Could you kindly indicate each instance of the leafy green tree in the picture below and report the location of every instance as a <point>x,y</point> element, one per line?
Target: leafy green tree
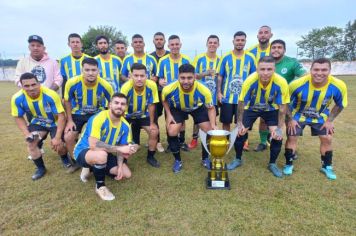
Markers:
<point>325,42</point>
<point>350,41</point>
<point>88,38</point>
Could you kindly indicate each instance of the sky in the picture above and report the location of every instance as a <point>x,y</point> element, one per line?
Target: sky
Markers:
<point>192,20</point>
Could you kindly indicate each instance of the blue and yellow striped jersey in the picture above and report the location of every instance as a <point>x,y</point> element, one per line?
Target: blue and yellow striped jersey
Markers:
<point>44,109</point>
<point>87,100</point>
<point>259,98</point>
<point>138,103</point>
<point>147,60</point>
<point>232,69</point>
<point>101,127</point>
<point>310,104</point>
<point>110,70</point>
<point>71,67</point>
<point>180,100</point>
<point>203,63</point>
<point>168,67</point>
<point>258,52</point>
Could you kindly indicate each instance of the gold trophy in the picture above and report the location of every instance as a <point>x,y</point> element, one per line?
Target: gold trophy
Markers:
<point>218,143</point>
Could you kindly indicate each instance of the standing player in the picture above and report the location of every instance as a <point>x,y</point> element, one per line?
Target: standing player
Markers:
<point>71,65</point>
<point>39,64</point>
<point>159,42</point>
<point>109,65</point>
<point>139,56</point>
<point>264,94</point>
<point>84,96</point>
<point>120,48</point>
<point>233,69</point>
<point>105,144</point>
<point>168,73</point>
<point>260,50</point>
<point>48,116</point>
<point>311,97</point>
<point>142,97</point>
<point>206,65</point>
<point>180,98</point>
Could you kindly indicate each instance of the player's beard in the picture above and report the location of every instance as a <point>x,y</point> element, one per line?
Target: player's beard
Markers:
<point>117,113</point>
<point>104,51</point>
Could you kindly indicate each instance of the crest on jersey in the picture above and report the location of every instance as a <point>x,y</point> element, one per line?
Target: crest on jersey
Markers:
<point>284,70</point>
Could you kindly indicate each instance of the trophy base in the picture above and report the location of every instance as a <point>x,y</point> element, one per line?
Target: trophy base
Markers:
<point>218,183</point>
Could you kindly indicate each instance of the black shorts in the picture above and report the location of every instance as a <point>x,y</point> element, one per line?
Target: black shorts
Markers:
<point>228,111</point>
<point>314,128</point>
<point>270,117</point>
<point>136,125</point>
<point>110,163</point>
<point>51,130</point>
<point>80,121</point>
<point>199,115</point>
<point>159,107</point>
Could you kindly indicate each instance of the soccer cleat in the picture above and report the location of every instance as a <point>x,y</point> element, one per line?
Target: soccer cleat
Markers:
<point>193,144</point>
<point>288,169</point>
<point>177,166</point>
<point>275,170</point>
<point>206,163</point>
<point>104,193</point>
<point>153,162</point>
<point>39,173</point>
<point>329,172</point>
<point>245,147</point>
<point>234,164</point>
<point>42,151</point>
<point>73,168</point>
<point>295,157</point>
<point>84,175</point>
<point>260,147</point>
<point>159,147</point>
<point>184,147</point>
<point>66,162</point>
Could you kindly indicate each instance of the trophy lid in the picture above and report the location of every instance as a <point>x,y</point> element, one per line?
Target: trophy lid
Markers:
<point>218,132</point>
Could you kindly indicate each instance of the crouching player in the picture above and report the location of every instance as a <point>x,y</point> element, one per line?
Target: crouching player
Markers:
<point>45,107</point>
<point>105,144</point>
<point>311,97</point>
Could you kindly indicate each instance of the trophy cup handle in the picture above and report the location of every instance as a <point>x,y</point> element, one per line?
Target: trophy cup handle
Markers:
<point>202,136</point>
<point>233,136</point>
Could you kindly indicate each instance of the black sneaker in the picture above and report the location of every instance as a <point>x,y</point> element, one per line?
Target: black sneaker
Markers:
<point>66,162</point>
<point>39,173</point>
<point>153,162</point>
<point>184,147</point>
<point>260,147</point>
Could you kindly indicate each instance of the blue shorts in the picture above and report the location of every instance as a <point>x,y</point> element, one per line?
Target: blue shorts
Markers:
<point>314,128</point>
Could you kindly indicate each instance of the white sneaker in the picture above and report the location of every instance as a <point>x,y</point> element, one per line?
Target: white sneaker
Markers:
<point>42,151</point>
<point>104,193</point>
<point>159,147</point>
<point>29,157</point>
<point>84,175</point>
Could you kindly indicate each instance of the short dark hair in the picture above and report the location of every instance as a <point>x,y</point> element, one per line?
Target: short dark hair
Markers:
<point>186,68</point>
<point>279,41</point>
<point>74,35</point>
<point>173,36</point>
<point>138,66</point>
<point>90,61</point>
<point>26,76</point>
<point>240,33</point>
<point>118,95</point>
<point>213,36</point>
<point>101,37</point>
<point>158,34</point>
<point>267,59</point>
<point>266,27</point>
<point>137,36</point>
<point>321,60</point>
<point>119,41</point>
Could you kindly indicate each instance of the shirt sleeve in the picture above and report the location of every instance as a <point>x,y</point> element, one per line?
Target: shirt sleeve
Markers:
<point>58,79</point>
<point>16,108</point>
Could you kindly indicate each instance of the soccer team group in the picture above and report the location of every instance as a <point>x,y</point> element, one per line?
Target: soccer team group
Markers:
<point>110,98</point>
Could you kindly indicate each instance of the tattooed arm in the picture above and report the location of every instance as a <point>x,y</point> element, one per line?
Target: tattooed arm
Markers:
<point>328,124</point>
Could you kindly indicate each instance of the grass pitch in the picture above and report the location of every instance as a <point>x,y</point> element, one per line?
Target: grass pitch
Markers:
<point>158,202</point>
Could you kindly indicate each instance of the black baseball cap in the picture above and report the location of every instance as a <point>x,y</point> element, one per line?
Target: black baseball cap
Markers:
<point>35,38</point>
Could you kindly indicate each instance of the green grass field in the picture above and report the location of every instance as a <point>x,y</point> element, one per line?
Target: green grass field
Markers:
<point>158,202</point>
